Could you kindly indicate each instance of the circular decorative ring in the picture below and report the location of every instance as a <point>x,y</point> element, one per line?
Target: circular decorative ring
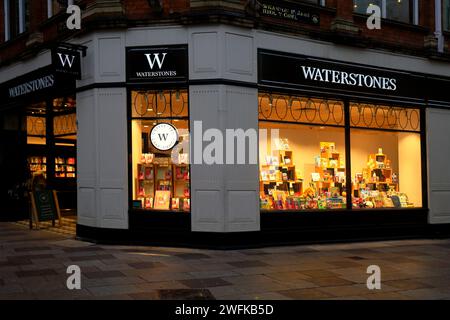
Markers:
<point>142,101</point>
<point>279,107</point>
<point>370,108</point>
<point>296,108</point>
<point>311,109</point>
<point>355,109</point>
<point>40,126</point>
<point>338,109</point>
<point>403,119</point>
<point>392,117</point>
<point>382,116</point>
<point>177,100</point>
<point>160,107</point>
<point>324,107</point>
<point>414,119</point>
<point>268,112</point>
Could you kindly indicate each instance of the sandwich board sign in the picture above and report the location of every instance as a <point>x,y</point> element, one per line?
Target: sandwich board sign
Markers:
<point>45,207</point>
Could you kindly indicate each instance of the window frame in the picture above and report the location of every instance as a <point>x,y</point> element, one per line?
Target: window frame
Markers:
<point>414,14</point>
<point>347,101</point>
<point>50,12</point>
<point>22,17</point>
<point>130,119</point>
<point>446,15</point>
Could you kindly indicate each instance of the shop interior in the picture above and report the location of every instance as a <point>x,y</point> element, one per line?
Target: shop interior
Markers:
<point>51,149</point>
<point>160,179</point>
<point>303,164</point>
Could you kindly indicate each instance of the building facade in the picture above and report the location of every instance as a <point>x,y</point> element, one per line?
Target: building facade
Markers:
<point>351,123</point>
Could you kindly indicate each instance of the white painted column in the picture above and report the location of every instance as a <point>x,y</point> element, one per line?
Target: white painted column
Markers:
<point>102,158</point>
<point>102,142</point>
<point>438,145</point>
<point>225,198</point>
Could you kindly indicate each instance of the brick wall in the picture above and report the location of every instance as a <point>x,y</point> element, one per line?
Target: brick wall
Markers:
<point>393,36</point>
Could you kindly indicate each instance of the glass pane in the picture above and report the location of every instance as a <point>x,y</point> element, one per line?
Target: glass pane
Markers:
<point>386,169</point>
<point>161,180</point>
<point>399,10</point>
<point>360,6</point>
<point>65,124</point>
<point>160,104</point>
<point>301,167</point>
<point>384,117</point>
<point>300,109</point>
<point>446,13</point>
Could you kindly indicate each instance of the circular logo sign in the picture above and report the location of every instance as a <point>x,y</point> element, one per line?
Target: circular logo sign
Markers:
<point>164,136</point>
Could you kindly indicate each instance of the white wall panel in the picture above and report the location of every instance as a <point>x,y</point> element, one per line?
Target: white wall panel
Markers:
<point>102,155</point>
<point>86,158</point>
<point>207,181</point>
<point>242,181</point>
<point>204,55</point>
<point>240,57</point>
<point>111,58</point>
<point>438,143</point>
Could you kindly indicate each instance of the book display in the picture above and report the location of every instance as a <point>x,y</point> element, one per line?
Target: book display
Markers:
<point>378,185</point>
<point>65,167</point>
<point>162,185</point>
<point>283,187</point>
<point>38,165</point>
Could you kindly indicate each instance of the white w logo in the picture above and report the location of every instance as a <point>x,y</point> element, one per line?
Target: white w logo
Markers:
<point>163,136</point>
<point>66,59</point>
<point>155,59</point>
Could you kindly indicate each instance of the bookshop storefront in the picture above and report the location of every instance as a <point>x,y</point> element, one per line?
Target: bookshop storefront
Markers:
<point>345,145</point>
<point>344,150</point>
<point>39,131</point>
<point>159,183</point>
<point>341,147</point>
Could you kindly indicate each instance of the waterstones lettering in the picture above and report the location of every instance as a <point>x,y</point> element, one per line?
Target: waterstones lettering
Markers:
<point>157,64</point>
<point>156,60</point>
<point>347,78</point>
<point>32,86</point>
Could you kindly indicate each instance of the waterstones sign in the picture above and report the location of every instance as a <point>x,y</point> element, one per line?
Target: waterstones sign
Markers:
<point>157,64</point>
<point>348,78</point>
<point>31,86</point>
<point>67,62</point>
<point>302,72</point>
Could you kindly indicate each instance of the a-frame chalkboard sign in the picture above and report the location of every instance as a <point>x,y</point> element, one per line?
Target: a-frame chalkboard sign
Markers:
<point>44,207</point>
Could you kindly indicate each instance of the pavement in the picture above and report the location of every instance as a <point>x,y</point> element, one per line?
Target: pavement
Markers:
<point>33,265</point>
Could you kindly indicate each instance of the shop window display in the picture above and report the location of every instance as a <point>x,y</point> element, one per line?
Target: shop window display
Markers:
<point>302,164</point>
<point>303,155</point>
<point>386,165</point>
<point>161,179</point>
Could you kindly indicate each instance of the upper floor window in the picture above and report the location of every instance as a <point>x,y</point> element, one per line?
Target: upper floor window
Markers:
<point>319,2</point>
<point>55,6</point>
<point>398,10</point>
<point>17,17</point>
<point>446,13</point>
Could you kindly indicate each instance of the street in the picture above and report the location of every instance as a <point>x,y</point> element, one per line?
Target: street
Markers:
<point>33,265</point>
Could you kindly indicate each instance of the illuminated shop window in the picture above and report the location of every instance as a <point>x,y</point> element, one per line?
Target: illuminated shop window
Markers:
<point>302,154</point>
<point>160,179</point>
<point>386,161</point>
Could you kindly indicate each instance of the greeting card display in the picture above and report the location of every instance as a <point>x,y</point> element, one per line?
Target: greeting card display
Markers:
<point>162,200</point>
